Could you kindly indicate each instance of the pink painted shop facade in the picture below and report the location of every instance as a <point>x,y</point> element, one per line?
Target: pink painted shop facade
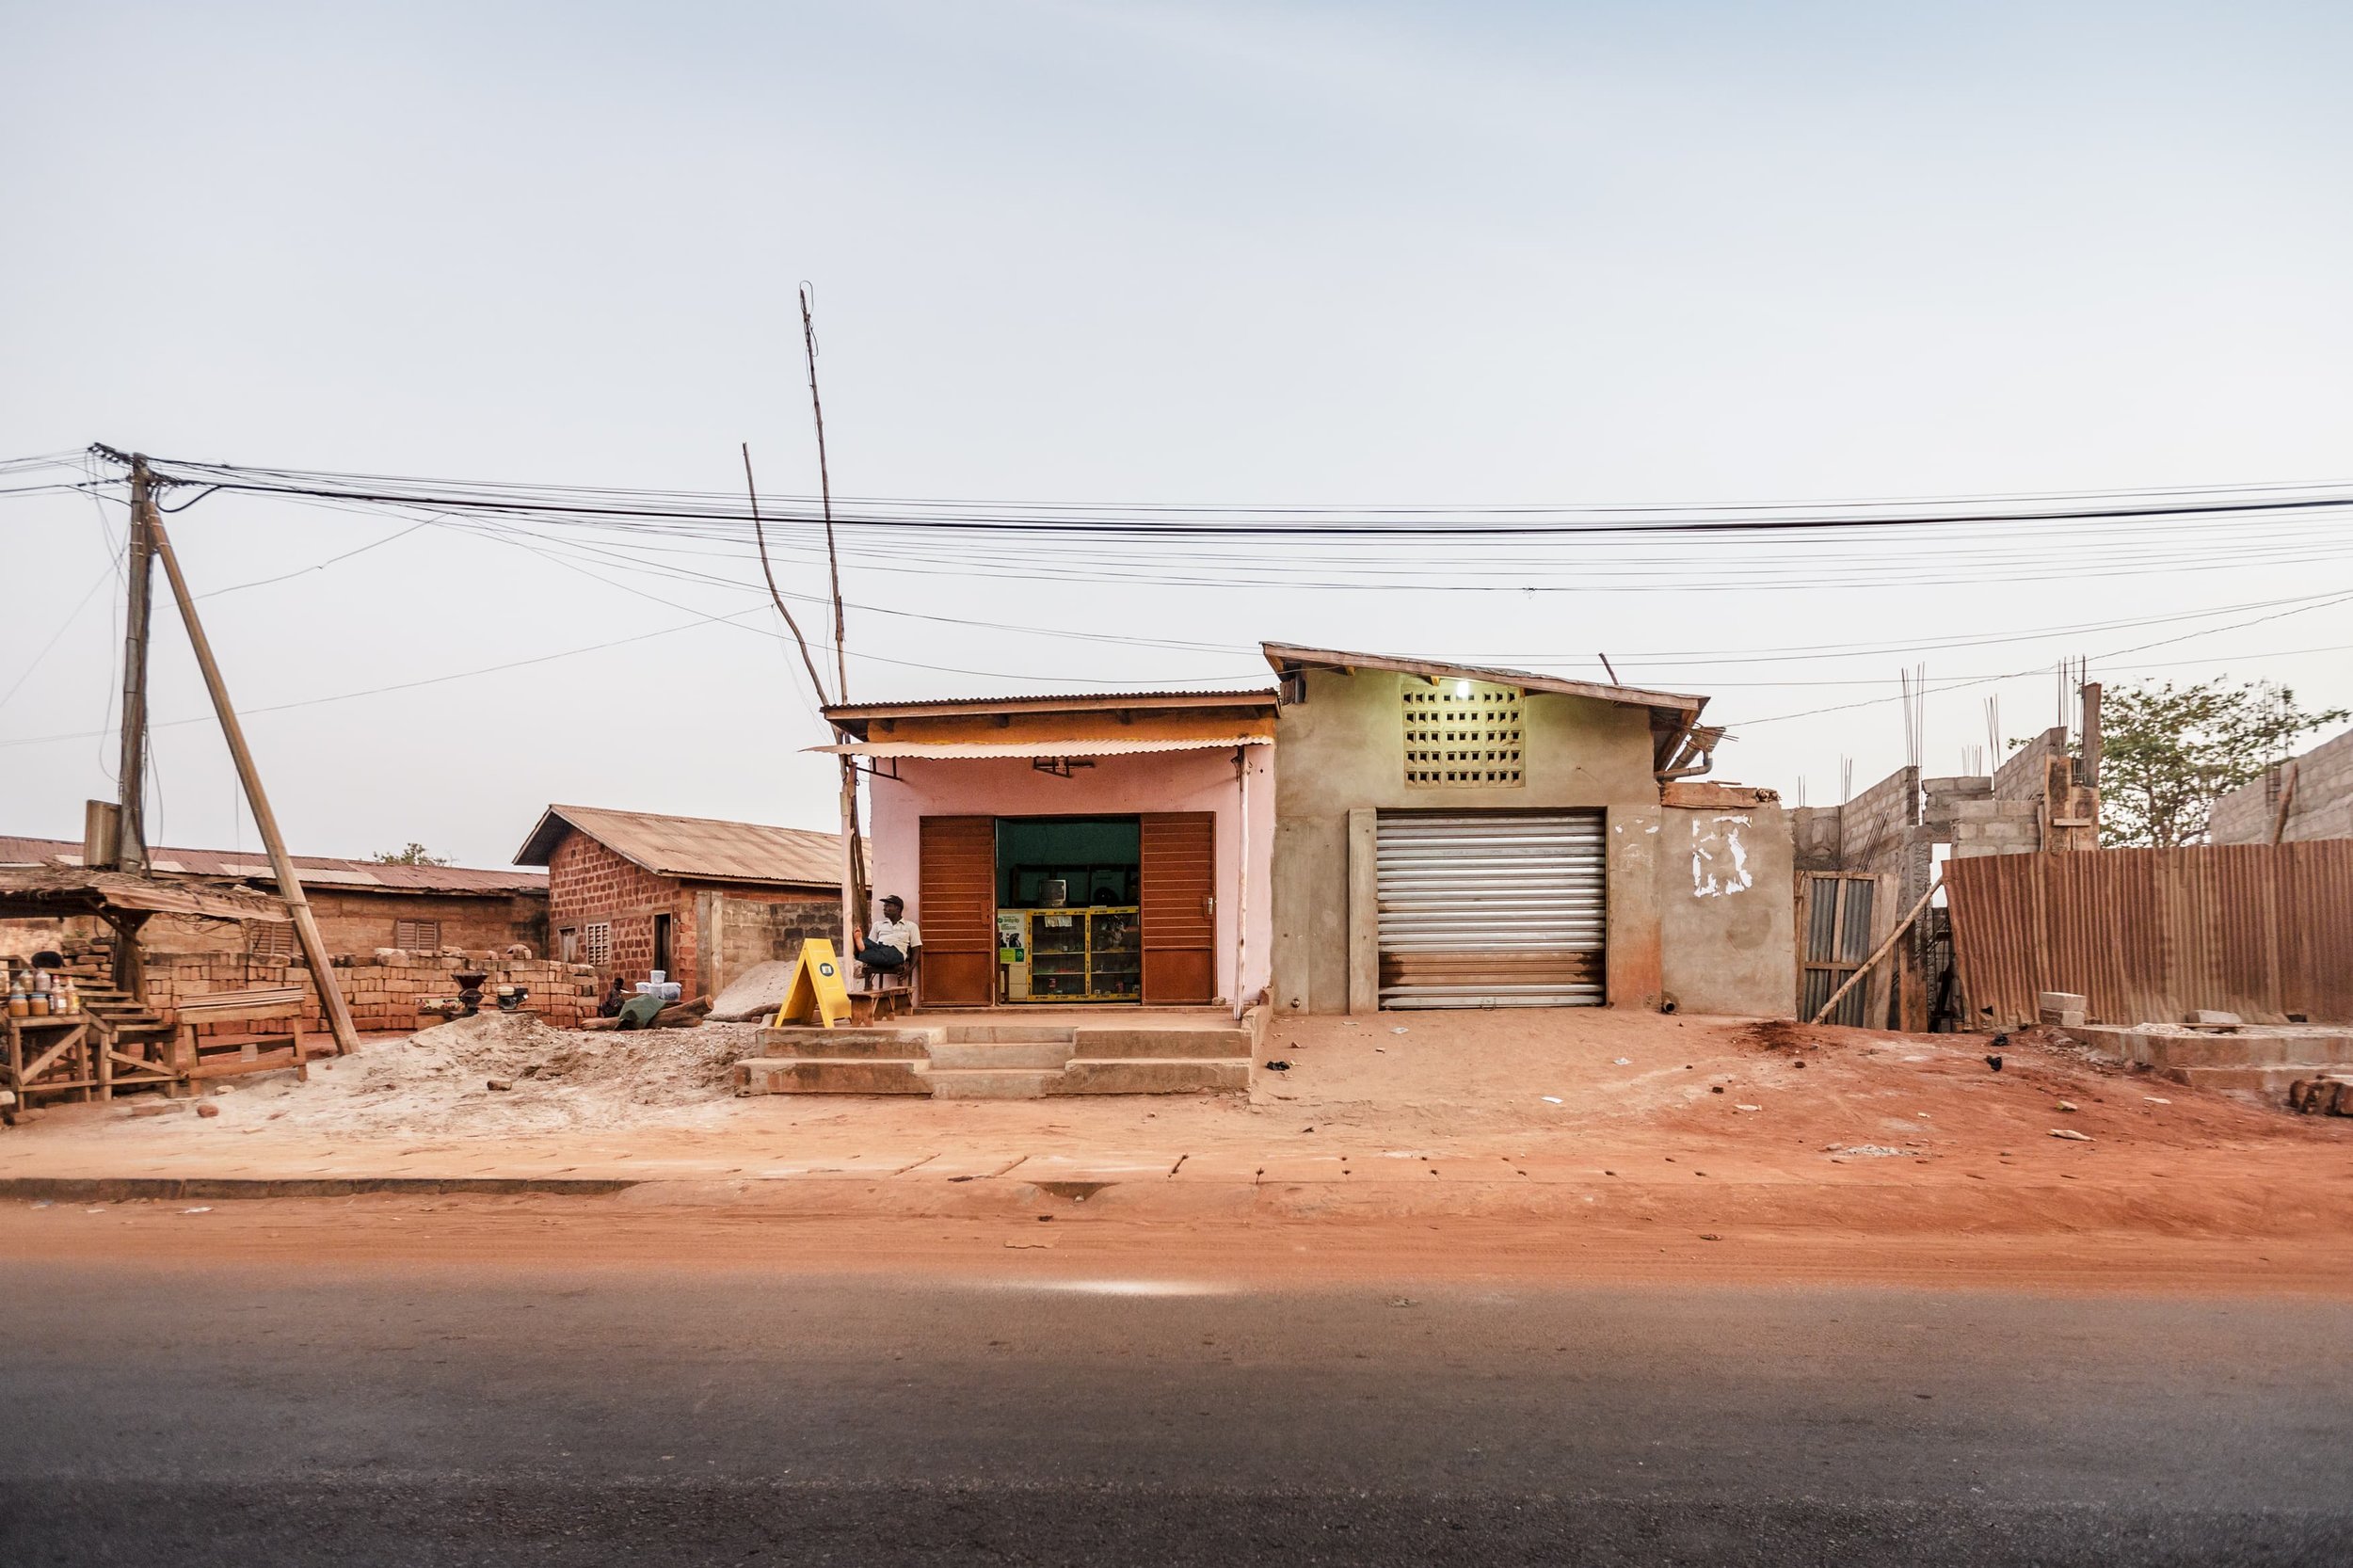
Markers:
<point>1104,850</point>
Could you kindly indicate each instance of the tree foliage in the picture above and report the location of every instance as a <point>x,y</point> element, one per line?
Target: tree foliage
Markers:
<point>414,854</point>
<point>2168,753</point>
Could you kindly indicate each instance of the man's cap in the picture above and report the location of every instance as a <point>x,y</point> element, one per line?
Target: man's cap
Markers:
<point>893,898</point>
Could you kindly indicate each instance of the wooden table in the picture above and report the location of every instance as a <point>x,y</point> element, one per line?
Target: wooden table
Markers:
<point>36,1045</point>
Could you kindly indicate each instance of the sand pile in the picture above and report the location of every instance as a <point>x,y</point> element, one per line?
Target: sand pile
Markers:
<point>437,1080</point>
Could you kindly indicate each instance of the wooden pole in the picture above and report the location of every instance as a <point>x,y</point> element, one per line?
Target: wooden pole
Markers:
<point>825,492</point>
<point>852,850</point>
<point>1884,949</point>
<point>289,884</point>
<point>131,825</point>
<point>2287,803</point>
<point>2091,733</point>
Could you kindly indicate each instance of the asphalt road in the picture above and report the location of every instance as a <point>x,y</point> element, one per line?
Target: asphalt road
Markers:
<point>247,1415</point>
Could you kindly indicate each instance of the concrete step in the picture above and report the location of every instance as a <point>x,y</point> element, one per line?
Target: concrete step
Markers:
<point>2271,1080</point>
<point>1128,1043</point>
<point>973,1034</point>
<point>2246,1050</point>
<point>992,1083</point>
<point>957,1055</point>
<point>772,1075</point>
<point>809,1042</point>
<point>1156,1075</point>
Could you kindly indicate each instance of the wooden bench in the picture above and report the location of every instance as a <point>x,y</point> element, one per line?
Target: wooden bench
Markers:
<point>211,1055</point>
<point>881,994</point>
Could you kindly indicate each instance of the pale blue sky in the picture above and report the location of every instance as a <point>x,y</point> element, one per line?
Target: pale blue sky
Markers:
<point>1151,252</point>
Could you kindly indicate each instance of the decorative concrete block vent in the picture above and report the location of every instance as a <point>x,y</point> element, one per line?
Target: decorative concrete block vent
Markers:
<point>1002,1061</point>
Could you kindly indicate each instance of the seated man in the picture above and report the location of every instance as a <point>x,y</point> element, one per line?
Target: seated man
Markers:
<point>614,995</point>
<point>892,942</point>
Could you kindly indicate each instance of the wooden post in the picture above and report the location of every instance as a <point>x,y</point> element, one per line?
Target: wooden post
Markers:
<point>131,826</point>
<point>2091,734</point>
<point>289,884</point>
<point>2287,803</point>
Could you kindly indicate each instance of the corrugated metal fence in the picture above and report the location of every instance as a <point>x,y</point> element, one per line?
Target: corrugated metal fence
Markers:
<point>2147,935</point>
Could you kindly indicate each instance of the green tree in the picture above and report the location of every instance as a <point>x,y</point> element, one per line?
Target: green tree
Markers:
<point>2168,753</point>
<point>415,855</point>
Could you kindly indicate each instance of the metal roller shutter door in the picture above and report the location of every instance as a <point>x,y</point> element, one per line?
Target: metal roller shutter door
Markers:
<point>1491,908</point>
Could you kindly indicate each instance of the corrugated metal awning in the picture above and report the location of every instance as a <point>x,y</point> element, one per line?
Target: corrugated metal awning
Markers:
<point>975,749</point>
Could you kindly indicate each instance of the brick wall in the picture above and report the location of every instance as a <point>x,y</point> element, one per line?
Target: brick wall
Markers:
<point>2322,807</point>
<point>588,883</point>
<point>716,931</point>
<point>362,922</point>
<point>381,992</point>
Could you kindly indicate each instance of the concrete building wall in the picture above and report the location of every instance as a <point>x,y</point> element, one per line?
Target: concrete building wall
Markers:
<point>1205,780</point>
<point>1727,903</point>
<point>2321,807</point>
<point>1343,749</point>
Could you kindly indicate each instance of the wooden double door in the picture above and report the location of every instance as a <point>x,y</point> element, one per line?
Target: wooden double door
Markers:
<point>1177,895</point>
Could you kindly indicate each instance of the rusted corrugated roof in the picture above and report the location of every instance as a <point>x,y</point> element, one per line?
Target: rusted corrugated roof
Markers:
<point>1065,747</point>
<point>316,869</point>
<point>1250,697</point>
<point>704,848</point>
<point>44,892</point>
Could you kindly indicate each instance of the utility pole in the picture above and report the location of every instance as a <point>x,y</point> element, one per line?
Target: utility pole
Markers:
<point>825,492</point>
<point>289,884</point>
<point>852,853</point>
<point>131,814</point>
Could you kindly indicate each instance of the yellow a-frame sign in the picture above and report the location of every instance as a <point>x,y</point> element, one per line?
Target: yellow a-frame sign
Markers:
<point>819,993</point>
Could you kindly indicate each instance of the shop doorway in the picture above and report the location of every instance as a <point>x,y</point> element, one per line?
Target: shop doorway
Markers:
<point>1044,911</point>
<point>1070,909</point>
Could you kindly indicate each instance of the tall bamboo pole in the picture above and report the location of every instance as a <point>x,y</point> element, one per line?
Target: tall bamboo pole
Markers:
<point>289,884</point>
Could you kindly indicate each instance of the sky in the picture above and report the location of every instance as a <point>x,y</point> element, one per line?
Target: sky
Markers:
<point>1280,255</point>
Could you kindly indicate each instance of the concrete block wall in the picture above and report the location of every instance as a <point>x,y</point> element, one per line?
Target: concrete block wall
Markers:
<point>1876,825</point>
<point>2322,807</point>
<point>1816,834</point>
<point>2022,774</point>
<point>737,930</point>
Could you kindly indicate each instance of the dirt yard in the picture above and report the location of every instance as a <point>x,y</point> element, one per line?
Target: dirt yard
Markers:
<point>1558,1135</point>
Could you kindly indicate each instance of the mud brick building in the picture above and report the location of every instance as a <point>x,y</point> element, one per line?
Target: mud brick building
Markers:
<point>629,892</point>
